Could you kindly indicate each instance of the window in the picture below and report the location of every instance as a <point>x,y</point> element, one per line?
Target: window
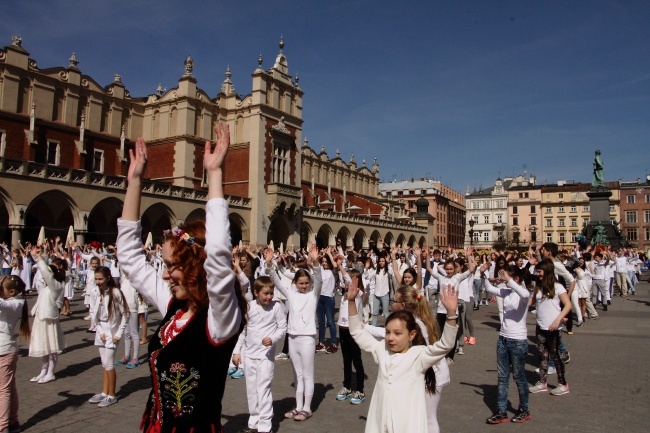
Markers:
<point>98,161</point>
<point>475,205</point>
<point>585,208</point>
<point>612,208</point>
<point>632,234</point>
<point>574,209</point>
<point>561,209</point>
<point>574,237</point>
<point>204,180</point>
<point>475,236</point>
<point>500,218</point>
<point>533,236</point>
<point>523,195</point>
<point>561,222</point>
<point>549,237</point>
<point>585,221</point>
<point>486,237</point>
<point>647,198</point>
<point>475,218</point>
<point>515,210</point>
<point>533,209</point>
<point>515,221</point>
<point>561,195</point>
<point>53,153</point>
<point>630,216</point>
<point>647,233</point>
<point>549,223</point>
<point>486,219</point>
<point>281,164</point>
<point>646,216</point>
<point>630,199</point>
<point>548,209</point>
<point>533,221</point>
<point>561,238</point>
<point>574,222</point>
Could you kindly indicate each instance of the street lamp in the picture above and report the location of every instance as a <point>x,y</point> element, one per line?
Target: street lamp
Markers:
<point>471,232</point>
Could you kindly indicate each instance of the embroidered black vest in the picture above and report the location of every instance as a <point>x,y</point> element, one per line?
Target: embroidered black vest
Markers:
<point>188,378</point>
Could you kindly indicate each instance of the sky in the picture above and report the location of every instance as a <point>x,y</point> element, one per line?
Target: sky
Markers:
<point>460,91</point>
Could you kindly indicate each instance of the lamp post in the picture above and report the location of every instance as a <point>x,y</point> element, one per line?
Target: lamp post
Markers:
<point>471,232</point>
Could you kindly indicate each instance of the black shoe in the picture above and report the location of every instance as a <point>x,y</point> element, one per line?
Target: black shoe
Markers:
<point>609,302</point>
<point>497,418</point>
<point>521,416</point>
<point>604,307</point>
<point>475,307</point>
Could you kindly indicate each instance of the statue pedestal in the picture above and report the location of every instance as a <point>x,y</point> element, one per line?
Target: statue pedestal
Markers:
<point>601,229</point>
<point>599,204</point>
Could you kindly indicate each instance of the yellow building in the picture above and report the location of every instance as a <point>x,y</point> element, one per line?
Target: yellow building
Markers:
<point>565,210</point>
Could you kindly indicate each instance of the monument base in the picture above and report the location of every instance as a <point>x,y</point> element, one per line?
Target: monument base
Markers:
<point>603,232</point>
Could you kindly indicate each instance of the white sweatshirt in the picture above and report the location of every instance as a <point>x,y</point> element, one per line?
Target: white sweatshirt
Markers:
<point>263,321</point>
<point>515,308</point>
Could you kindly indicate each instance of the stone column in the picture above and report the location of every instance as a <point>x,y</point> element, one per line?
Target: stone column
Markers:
<point>16,234</point>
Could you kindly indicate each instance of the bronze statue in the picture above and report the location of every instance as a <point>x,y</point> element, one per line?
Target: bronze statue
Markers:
<point>599,177</point>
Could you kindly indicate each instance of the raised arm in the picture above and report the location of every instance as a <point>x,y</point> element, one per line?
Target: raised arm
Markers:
<point>224,314</point>
<point>143,277</point>
<point>417,252</point>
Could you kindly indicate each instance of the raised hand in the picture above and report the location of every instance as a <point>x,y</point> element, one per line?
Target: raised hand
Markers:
<point>352,291</point>
<point>268,255</point>
<point>449,298</point>
<point>313,253</point>
<point>213,159</point>
<point>138,165</point>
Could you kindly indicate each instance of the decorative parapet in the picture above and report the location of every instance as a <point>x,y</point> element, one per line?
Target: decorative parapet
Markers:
<point>359,219</point>
<point>73,177</point>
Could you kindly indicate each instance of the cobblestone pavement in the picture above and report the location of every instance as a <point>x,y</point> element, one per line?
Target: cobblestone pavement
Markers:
<point>608,378</point>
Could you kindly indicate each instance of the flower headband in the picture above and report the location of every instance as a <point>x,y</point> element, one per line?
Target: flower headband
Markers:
<point>182,235</point>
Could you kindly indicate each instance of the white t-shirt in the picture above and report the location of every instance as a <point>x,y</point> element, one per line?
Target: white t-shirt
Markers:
<point>549,308</point>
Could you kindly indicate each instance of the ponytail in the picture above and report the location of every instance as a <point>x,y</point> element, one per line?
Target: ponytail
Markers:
<point>25,330</point>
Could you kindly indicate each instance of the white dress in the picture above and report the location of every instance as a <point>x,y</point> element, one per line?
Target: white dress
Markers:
<point>47,335</point>
<point>398,400</point>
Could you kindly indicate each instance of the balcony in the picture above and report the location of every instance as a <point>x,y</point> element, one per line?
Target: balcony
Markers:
<point>499,226</point>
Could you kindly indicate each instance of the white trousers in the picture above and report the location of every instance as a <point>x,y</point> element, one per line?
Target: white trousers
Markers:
<point>575,304</point>
<point>108,358</point>
<point>259,375</point>
<point>302,350</point>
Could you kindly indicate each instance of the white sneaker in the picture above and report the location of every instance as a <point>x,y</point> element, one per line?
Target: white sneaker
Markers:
<point>281,355</point>
<point>551,370</point>
<point>97,398</point>
<point>461,351</point>
<point>47,379</point>
<point>108,400</point>
<point>87,317</point>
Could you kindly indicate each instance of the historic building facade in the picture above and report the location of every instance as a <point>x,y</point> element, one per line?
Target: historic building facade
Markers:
<point>635,212</point>
<point>64,153</point>
<point>446,205</point>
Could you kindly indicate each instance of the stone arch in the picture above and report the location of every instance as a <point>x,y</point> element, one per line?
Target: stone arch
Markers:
<point>423,241</point>
<point>55,211</point>
<point>401,240</point>
<point>238,228</point>
<point>324,236</point>
<point>389,239</point>
<point>6,210</point>
<point>375,236</point>
<point>360,240</point>
<point>306,234</point>
<point>278,231</point>
<point>345,237</point>
<point>197,214</point>
<point>102,221</point>
<point>155,219</point>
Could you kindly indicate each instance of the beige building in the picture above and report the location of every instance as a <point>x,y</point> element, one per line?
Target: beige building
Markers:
<point>565,211</point>
<point>524,209</point>
<point>64,153</point>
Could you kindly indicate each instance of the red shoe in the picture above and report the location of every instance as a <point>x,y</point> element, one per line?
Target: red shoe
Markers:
<point>471,340</point>
<point>466,340</point>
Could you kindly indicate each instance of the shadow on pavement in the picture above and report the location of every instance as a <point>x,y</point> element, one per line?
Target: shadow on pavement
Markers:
<point>71,401</point>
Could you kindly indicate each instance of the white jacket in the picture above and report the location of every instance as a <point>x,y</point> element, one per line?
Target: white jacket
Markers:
<point>115,325</point>
<point>49,296</point>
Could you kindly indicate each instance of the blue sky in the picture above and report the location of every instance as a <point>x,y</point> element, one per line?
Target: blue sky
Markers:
<point>457,90</point>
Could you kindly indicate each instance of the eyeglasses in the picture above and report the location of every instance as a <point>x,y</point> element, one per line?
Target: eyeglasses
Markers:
<point>171,267</point>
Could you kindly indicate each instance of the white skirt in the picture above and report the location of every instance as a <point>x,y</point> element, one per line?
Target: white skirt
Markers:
<point>47,338</point>
<point>68,289</point>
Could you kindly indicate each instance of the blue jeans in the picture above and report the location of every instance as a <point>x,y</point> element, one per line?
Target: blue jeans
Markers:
<point>324,308</point>
<point>6,271</point>
<point>383,300</point>
<point>511,352</point>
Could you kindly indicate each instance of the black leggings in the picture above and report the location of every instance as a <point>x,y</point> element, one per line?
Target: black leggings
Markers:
<point>351,355</point>
<point>441,318</point>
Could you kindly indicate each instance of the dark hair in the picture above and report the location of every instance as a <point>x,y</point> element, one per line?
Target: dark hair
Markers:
<point>191,257</point>
<point>413,273</point>
<point>261,282</point>
<point>16,284</point>
<point>384,268</point>
<point>58,268</point>
<point>547,283</point>
<point>515,272</point>
<point>301,273</point>
<point>551,247</point>
<point>112,290</point>
<point>411,325</point>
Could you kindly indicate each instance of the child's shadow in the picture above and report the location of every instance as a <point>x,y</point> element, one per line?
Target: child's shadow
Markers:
<point>72,401</point>
<point>489,393</point>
